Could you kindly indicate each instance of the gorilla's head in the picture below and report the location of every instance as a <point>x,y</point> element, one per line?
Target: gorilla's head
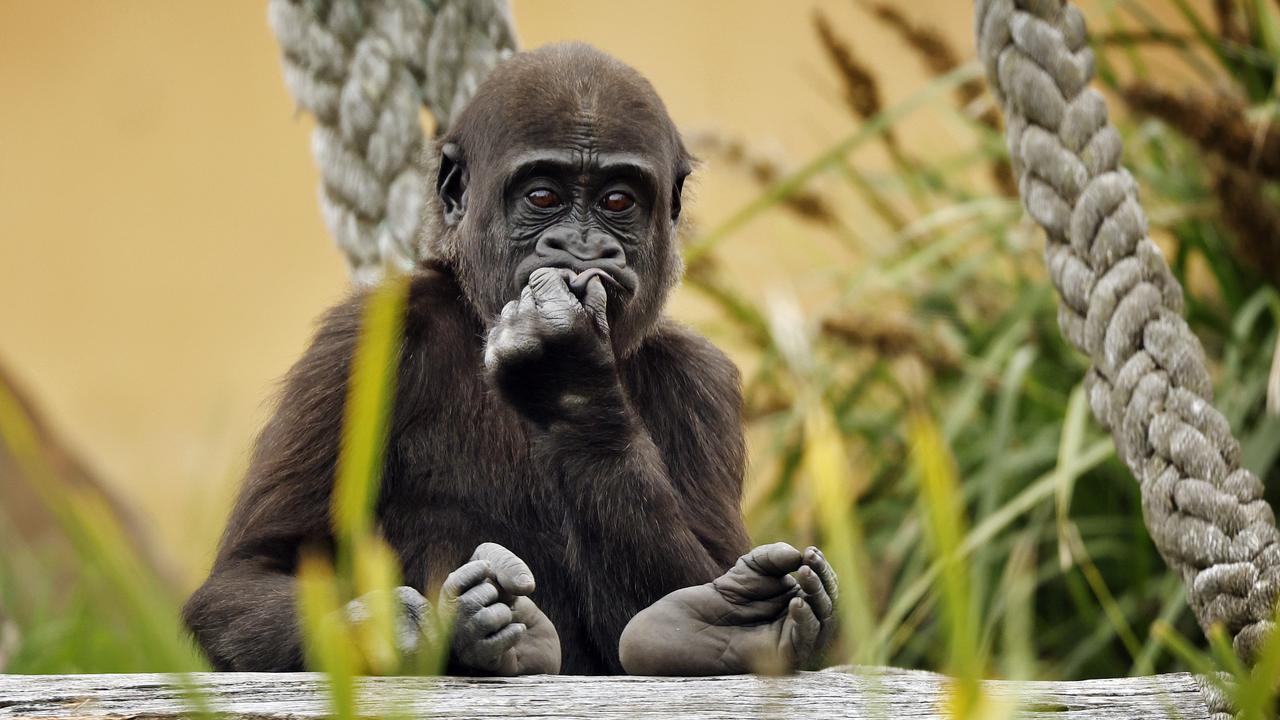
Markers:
<point>564,158</point>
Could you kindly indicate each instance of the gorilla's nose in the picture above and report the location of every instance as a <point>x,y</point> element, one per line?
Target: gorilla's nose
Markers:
<point>574,245</point>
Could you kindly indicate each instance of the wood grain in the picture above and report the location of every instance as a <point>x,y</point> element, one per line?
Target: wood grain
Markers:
<point>837,693</point>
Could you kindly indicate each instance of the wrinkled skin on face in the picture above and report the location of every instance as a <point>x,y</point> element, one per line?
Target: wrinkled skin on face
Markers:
<point>568,174</point>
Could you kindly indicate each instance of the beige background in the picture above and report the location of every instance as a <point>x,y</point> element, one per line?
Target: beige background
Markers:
<point>162,256</point>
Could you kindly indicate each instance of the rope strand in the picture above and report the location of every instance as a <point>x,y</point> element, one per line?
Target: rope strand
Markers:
<point>1123,308</point>
<point>364,69</point>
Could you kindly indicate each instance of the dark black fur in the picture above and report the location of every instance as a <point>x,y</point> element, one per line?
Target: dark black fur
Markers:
<point>613,504</point>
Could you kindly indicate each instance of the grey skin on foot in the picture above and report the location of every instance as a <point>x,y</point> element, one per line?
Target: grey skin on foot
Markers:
<point>773,610</point>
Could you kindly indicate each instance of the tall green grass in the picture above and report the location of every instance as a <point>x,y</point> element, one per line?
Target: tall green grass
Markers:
<point>950,324</point>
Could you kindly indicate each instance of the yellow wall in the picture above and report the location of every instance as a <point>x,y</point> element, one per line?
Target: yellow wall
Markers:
<point>162,256</point>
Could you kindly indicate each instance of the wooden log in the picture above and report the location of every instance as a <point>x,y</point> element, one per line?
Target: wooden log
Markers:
<point>837,693</point>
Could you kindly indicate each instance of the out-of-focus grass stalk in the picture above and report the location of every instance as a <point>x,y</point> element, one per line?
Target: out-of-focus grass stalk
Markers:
<point>834,484</point>
<point>1255,696</point>
<point>993,489</point>
<point>370,393</point>
<point>1064,473</point>
<point>330,646</point>
<point>1197,660</point>
<point>921,260</point>
<point>1174,605</point>
<point>1273,380</point>
<point>827,463</point>
<point>1071,548</point>
<point>1267,22</point>
<point>105,555</point>
<point>873,128</point>
<point>944,523</point>
<point>1223,653</point>
<point>871,195</point>
<point>1018,659</point>
<point>1093,576</point>
<point>367,567</point>
<point>984,532</point>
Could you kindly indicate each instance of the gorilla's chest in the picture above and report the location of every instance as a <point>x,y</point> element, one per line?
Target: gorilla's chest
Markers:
<point>469,474</point>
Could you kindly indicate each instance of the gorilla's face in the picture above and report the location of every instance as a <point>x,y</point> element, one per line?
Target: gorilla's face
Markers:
<point>565,159</point>
<point>585,212</point>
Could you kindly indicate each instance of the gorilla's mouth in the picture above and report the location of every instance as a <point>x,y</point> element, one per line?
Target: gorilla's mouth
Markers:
<point>619,282</point>
<point>578,283</point>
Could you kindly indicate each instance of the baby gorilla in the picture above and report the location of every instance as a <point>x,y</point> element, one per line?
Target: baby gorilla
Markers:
<point>549,421</point>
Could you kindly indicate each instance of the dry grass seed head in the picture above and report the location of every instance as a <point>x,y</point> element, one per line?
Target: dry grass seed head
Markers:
<point>1216,123</point>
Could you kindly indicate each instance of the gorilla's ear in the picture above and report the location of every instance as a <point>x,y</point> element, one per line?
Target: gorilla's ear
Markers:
<point>677,191</point>
<point>451,184</point>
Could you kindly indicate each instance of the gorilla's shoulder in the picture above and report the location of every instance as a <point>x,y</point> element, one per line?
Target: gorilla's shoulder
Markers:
<point>437,309</point>
<point>676,355</point>
<point>435,305</point>
<point>440,332</point>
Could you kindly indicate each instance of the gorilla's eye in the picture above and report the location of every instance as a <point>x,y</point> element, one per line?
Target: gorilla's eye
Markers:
<point>617,202</point>
<point>543,198</point>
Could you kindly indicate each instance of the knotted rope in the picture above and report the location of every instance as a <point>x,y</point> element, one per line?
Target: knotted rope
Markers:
<point>1121,306</point>
<point>363,69</point>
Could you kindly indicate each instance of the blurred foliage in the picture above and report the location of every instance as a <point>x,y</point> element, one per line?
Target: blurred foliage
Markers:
<point>949,322</point>
<point>925,423</point>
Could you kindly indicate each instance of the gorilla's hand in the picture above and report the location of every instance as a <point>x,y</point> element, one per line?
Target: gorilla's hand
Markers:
<point>550,348</point>
<point>411,621</point>
<point>498,630</point>
<point>756,617</point>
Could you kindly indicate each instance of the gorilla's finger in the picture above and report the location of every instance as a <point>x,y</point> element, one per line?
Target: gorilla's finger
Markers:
<point>815,593</point>
<point>578,283</point>
<point>524,610</point>
<point>491,619</point>
<point>596,303</point>
<point>477,598</point>
<point>551,288</point>
<point>510,572</point>
<point>814,558</point>
<point>463,579</point>
<point>762,574</point>
<point>800,631</point>
<point>509,311</point>
<point>544,275</point>
<point>526,305</point>
<point>549,282</point>
<point>500,642</point>
<point>773,559</point>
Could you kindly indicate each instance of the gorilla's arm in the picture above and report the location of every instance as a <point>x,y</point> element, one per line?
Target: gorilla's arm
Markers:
<point>244,614</point>
<point>673,514</point>
<point>549,356</point>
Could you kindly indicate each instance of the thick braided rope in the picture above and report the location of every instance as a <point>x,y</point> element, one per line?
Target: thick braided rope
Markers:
<point>364,69</point>
<point>1123,308</point>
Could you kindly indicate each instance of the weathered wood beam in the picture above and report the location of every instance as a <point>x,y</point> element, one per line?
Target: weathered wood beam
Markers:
<point>858,693</point>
